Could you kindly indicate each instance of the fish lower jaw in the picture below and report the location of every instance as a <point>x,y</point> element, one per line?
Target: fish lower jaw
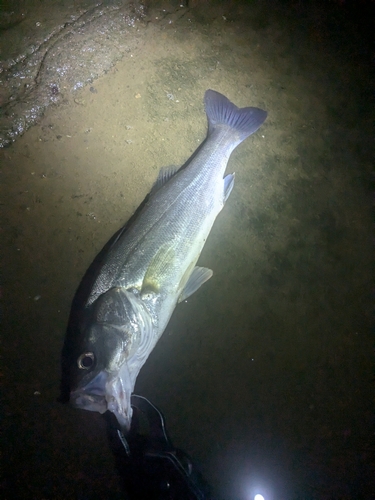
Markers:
<point>124,418</point>
<point>92,402</point>
<point>89,402</point>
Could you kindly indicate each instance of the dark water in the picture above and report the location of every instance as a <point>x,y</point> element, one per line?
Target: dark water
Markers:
<point>265,375</point>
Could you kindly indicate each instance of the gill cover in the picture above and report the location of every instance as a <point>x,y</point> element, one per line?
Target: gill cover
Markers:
<point>119,341</point>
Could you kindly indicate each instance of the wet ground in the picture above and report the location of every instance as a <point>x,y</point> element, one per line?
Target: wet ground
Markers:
<point>265,374</point>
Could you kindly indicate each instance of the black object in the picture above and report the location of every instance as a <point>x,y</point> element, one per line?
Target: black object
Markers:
<point>150,466</point>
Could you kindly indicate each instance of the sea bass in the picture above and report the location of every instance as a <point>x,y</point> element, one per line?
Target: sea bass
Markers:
<point>150,266</point>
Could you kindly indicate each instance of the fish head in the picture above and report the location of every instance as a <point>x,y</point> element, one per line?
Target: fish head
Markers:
<point>112,349</point>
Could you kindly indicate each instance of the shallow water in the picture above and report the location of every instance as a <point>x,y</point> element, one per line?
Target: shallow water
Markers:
<point>265,374</point>
<point>56,49</point>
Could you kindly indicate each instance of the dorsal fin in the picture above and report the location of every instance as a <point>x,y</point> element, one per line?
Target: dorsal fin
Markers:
<point>165,174</point>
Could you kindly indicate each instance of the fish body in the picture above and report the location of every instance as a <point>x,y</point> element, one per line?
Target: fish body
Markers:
<point>151,266</point>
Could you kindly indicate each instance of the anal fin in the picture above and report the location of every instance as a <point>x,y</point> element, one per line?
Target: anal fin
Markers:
<point>228,185</point>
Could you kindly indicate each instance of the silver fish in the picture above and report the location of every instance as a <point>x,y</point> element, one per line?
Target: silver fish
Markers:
<point>151,266</point>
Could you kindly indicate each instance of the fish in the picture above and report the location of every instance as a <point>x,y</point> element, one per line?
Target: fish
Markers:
<point>149,266</point>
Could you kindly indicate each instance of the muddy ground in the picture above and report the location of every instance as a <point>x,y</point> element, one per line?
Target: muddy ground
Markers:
<point>265,374</point>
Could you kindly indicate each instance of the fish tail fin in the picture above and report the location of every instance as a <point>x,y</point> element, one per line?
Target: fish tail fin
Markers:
<point>221,112</point>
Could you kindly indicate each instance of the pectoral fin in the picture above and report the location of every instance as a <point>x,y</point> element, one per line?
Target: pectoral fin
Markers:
<point>199,276</point>
<point>158,268</point>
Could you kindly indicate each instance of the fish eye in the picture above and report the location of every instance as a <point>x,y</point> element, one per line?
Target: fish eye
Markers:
<point>86,360</point>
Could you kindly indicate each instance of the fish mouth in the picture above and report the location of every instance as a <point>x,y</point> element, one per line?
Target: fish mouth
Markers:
<point>105,392</point>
